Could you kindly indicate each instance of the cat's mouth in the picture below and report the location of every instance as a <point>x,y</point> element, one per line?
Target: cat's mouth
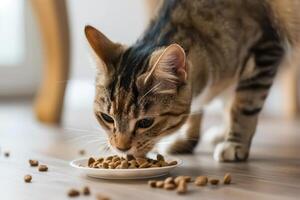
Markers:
<point>130,151</point>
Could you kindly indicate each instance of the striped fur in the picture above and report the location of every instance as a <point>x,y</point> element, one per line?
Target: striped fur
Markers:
<point>191,52</point>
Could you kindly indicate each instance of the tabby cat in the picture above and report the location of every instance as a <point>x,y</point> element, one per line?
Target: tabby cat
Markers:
<point>191,52</point>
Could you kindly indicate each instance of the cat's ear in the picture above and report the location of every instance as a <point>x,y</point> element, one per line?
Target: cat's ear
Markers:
<point>106,50</point>
<point>168,70</point>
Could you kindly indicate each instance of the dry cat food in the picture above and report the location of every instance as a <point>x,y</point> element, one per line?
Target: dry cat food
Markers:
<point>186,178</point>
<point>214,181</point>
<point>180,183</point>
<point>130,162</point>
<point>201,181</point>
<point>82,152</point>
<point>227,179</point>
<point>182,187</point>
<point>27,178</point>
<point>86,191</point>
<point>33,163</point>
<point>73,193</point>
<point>43,168</point>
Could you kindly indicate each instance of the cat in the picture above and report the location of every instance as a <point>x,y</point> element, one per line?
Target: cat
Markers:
<point>191,52</point>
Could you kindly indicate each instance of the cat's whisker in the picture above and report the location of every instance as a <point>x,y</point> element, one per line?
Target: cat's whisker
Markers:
<point>99,143</point>
<point>105,148</point>
<point>83,138</point>
<point>81,130</point>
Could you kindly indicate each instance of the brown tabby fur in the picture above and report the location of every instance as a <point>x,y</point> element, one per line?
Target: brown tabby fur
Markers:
<point>191,53</point>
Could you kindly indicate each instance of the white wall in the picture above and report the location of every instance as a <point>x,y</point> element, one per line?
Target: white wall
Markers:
<point>22,77</point>
<point>120,20</point>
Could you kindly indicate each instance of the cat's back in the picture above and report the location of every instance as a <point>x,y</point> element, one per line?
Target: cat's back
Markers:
<point>285,15</point>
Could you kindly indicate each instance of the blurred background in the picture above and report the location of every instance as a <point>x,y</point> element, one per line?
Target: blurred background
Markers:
<point>27,57</point>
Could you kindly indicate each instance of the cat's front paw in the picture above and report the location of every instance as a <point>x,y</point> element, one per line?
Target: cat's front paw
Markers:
<point>181,146</point>
<point>231,152</point>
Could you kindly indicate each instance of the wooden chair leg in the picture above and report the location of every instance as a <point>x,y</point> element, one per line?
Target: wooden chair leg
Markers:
<point>291,81</point>
<point>53,22</point>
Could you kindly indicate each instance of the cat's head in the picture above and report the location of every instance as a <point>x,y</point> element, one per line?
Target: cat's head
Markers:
<point>142,93</point>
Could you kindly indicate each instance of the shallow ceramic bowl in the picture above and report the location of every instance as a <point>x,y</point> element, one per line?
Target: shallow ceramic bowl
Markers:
<point>81,165</point>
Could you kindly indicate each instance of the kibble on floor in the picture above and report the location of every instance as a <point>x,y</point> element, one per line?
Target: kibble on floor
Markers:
<point>86,191</point>
<point>33,163</point>
<point>214,181</point>
<point>227,179</point>
<point>82,152</point>
<point>73,193</point>
<point>180,183</point>
<point>201,181</point>
<point>27,178</point>
<point>43,168</point>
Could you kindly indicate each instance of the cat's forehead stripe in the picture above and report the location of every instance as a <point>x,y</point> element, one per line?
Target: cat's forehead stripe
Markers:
<point>135,61</point>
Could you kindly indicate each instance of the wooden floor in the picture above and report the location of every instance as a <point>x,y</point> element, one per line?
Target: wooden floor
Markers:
<point>273,171</point>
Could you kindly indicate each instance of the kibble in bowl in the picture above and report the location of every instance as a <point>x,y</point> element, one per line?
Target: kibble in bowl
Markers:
<point>129,162</point>
<point>129,167</point>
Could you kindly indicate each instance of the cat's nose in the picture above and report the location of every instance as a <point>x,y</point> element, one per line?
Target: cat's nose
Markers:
<point>123,148</point>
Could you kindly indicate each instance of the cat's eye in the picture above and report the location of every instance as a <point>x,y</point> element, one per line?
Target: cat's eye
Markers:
<point>107,118</point>
<point>145,123</point>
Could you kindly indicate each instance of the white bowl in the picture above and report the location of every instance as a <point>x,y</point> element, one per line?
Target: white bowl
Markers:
<point>81,164</point>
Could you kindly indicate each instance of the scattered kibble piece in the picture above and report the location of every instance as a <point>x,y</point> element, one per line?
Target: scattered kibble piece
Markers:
<point>43,168</point>
<point>27,178</point>
<point>182,187</point>
<point>169,186</point>
<point>102,197</point>
<point>201,181</point>
<point>86,191</point>
<point>185,178</point>
<point>152,183</point>
<point>33,163</point>
<point>82,152</point>
<point>180,183</point>
<point>227,179</point>
<point>159,184</point>
<point>73,193</point>
<point>214,181</point>
<point>169,180</point>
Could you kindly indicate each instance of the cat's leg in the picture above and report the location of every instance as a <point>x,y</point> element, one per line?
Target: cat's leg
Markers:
<point>187,142</point>
<point>250,96</point>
